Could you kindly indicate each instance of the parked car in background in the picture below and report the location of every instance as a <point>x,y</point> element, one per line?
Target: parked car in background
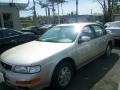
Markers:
<point>99,22</point>
<point>114,29</point>
<point>45,27</point>
<point>53,58</point>
<point>38,30</point>
<point>107,24</point>
<point>31,29</point>
<point>9,38</point>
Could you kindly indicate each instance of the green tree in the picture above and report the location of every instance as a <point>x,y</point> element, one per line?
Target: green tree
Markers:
<point>57,2</point>
<point>116,8</point>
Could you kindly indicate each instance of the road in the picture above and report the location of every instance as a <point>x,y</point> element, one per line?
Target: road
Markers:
<point>88,77</point>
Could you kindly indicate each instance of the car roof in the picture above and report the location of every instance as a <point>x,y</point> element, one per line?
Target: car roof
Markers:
<point>79,24</point>
<point>116,21</point>
<point>4,29</point>
<point>112,28</point>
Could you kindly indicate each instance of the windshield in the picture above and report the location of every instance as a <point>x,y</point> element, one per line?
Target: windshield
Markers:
<point>59,34</point>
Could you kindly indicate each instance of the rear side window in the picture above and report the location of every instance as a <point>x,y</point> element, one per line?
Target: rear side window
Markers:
<point>99,31</point>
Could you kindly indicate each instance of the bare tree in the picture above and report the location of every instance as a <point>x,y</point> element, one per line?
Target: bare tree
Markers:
<point>34,14</point>
<point>107,9</point>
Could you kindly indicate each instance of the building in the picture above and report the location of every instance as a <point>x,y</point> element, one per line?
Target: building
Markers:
<point>82,18</point>
<point>63,19</point>
<point>116,12</point>
<point>9,13</point>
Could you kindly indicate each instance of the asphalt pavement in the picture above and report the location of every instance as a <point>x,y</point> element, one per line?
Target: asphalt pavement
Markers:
<point>101,74</point>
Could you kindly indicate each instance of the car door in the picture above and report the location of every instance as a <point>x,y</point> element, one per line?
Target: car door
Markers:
<point>85,50</point>
<point>101,38</point>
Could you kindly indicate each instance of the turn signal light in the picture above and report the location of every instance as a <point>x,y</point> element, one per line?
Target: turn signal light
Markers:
<point>29,82</point>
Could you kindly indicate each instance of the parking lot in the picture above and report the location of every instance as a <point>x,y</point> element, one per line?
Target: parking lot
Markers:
<point>101,74</point>
<point>58,36</point>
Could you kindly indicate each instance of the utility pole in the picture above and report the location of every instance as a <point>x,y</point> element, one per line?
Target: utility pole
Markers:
<point>53,10</point>
<point>76,10</point>
<point>112,8</point>
<point>48,15</point>
<point>12,1</point>
<point>46,6</point>
<point>91,15</point>
<point>46,11</point>
<point>58,13</point>
<point>34,13</point>
<point>62,8</point>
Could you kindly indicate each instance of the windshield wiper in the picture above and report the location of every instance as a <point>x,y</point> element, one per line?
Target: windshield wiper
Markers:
<point>47,40</point>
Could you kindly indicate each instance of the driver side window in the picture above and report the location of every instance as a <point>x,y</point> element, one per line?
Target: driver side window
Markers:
<point>87,32</point>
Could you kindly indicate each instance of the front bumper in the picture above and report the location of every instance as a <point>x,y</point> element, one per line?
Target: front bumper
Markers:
<point>17,80</point>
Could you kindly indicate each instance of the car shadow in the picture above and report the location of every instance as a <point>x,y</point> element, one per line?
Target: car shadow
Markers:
<point>90,74</point>
<point>87,76</point>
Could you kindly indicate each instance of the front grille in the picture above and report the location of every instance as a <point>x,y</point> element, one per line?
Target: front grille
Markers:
<point>6,66</point>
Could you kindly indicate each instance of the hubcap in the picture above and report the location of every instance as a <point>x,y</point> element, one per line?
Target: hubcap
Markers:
<point>64,76</point>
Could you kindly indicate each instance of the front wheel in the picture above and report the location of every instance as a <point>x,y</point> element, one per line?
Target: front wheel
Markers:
<point>62,75</point>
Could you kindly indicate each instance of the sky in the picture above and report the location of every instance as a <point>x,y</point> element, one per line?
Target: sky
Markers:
<point>16,1</point>
<point>85,7</point>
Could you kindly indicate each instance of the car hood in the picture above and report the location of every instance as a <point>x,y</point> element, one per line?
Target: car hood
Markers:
<point>32,52</point>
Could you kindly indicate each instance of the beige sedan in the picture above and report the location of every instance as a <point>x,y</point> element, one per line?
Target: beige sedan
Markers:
<point>53,58</point>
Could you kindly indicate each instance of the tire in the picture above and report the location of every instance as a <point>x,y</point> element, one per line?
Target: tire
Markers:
<point>62,75</point>
<point>108,51</point>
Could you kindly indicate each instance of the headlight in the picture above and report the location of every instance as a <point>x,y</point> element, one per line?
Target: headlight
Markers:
<point>27,69</point>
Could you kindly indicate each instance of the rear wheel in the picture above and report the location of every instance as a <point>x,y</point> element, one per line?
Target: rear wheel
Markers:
<point>108,51</point>
<point>62,75</point>
<point>23,88</point>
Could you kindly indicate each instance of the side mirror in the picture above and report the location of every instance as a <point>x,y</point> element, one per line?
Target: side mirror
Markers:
<point>84,39</point>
